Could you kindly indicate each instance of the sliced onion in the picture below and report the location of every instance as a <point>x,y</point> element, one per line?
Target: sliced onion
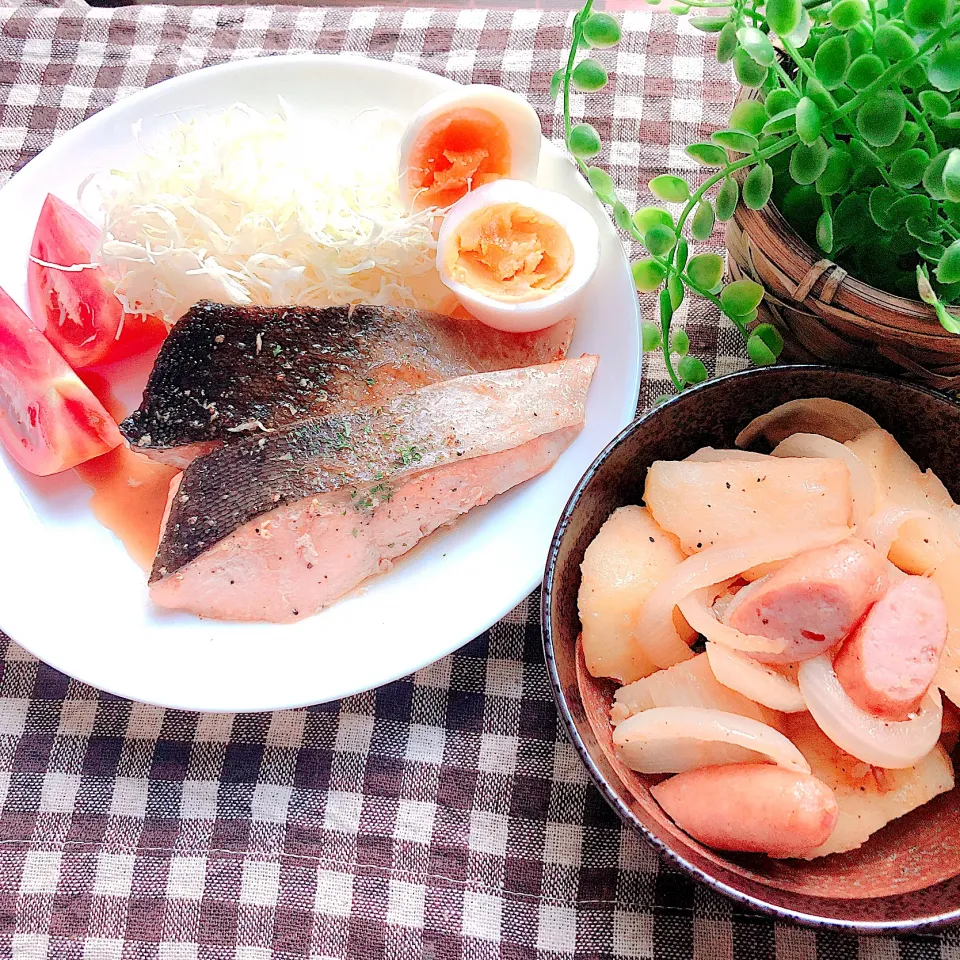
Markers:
<point>883,527</point>
<point>713,455</point>
<point>830,418</point>
<point>698,613</point>
<point>656,632</point>
<point>863,488</point>
<point>881,743</point>
<point>675,739</point>
<point>756,681</point>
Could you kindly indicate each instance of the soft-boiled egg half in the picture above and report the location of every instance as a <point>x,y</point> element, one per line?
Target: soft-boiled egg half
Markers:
<point>465,138</point>
<point>518,257</point>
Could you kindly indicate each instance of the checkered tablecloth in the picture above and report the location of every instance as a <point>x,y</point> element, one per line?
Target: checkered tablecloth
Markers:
<point>443,816</point>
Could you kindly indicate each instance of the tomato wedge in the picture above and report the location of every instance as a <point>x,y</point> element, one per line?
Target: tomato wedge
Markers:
<point>77,310</point>
<point>49,419</point>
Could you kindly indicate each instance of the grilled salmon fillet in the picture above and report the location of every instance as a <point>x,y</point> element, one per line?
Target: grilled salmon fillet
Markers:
<point>226,371</point>
<point>276,527</point>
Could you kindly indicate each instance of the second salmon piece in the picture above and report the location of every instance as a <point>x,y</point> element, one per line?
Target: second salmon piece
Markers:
<point>276,527</point>
<point>225,371</point>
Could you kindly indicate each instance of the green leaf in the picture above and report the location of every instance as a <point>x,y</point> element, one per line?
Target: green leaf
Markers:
<point>703,220</point>
<point>864,70</point>
<point>660,240</point>
<point>621,217</point>
<point>603,185</point>
<point>748,117</point>
<point>735,140</point>
<point>925,14</point>
<point>952,120</point>
<point>894,43</point>
<point>912,205</point>
<point>727,197</point>
<point>949,269</point>
<point>951,176</point>
<point>670,188</point>
<point>589,75</point>
<point>801,35</point>
<point>692,370</point>
<point>741,297</point>
<point>943,70</point>
<point>679,9</point>
<point>681,254</point>
<point>601,30</point>
<point>584,141</point>
<point>809,122</point>
<point>676,290</point>
<point>836,174</point>
<point>758,186</point>
<point>647,275</point>
<point>727,43</point>
<point>749,72</point>
<point>779,100</point>
<point>851,219</point>
<point>706,270</point>
<point>848,13</point>
<point>757,44</point>
<point>882,198</point>
<point>948,321</point>
<point>707,154</point>
<point>909,135</point>
<point>783,16</point>
<point>933,179</point>
<point>807,162</point>
<point>934,103</point>
<point>759,353</point>
<point>880,118</point>
<point>650,335</point>
<point>782,122</point>
<point>647,217</point>
<point>770,335</point>
<point>908,169</point>
<point>708,24</point>
<point>556,81</point>
<point>825,232</point>
<point>680,343</point>
<point>832,61</point>
<point>921,229</point>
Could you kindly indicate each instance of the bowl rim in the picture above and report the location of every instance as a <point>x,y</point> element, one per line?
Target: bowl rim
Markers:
<point>873,927</point>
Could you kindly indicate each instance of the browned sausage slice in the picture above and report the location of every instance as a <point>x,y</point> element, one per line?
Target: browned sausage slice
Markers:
<point>751,807</point>
<point>813,601</point>
<point>888,664</point>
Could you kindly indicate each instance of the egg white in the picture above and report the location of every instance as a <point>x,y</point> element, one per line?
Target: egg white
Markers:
<point>565,299</point>
<point>519,118</point>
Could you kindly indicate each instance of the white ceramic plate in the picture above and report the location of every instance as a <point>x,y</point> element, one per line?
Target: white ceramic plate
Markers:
<point>70,594</point>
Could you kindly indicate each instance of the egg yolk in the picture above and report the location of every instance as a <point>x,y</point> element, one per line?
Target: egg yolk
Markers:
<point>510,252</point>
<point>457,152</point>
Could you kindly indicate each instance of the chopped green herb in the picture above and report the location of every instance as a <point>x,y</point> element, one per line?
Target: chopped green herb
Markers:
<point>277,349</point>
<point>410,455</point>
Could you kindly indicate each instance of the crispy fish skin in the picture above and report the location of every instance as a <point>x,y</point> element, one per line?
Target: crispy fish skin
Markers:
<point>227,371</point>
<point>348,494</point>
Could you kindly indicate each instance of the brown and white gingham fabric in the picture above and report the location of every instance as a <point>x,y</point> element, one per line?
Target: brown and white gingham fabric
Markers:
<point>441,817</point>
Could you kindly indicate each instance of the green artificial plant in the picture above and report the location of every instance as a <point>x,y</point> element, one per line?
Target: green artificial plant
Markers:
<point>854,134</point>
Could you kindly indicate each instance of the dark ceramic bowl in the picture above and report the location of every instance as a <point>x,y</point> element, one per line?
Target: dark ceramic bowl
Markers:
<point>907,876</point>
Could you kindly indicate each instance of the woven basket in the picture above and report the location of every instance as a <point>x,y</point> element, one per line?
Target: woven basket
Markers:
<point>826,315</point>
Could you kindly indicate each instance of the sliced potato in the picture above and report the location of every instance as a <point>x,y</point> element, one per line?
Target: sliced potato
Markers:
<point>717,503</point>
<point>869,798</point>
<point>628,558</point>
<point>688,684</point>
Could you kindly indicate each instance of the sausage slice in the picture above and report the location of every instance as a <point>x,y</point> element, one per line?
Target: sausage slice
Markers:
<point>813,601</point>
<point>888,664</point>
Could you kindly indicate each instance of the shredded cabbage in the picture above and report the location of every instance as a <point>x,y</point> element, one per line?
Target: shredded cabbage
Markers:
<point>246,208</point>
